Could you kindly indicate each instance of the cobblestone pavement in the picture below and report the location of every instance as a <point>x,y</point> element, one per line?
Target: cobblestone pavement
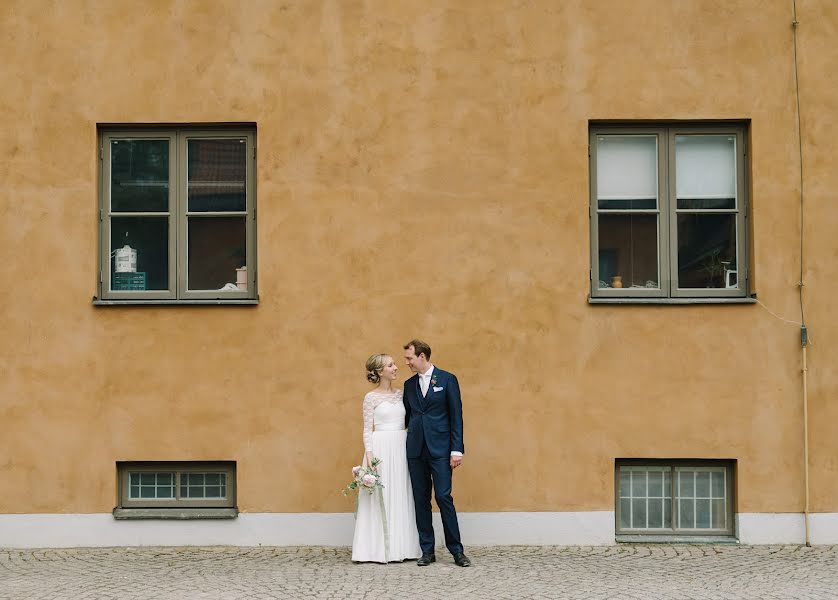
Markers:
<point>627,571</point>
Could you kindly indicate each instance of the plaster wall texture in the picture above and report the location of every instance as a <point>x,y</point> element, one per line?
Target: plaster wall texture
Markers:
<point>422,171</point>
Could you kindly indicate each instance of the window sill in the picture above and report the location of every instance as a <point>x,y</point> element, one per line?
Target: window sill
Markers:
<point>676,539</point>
<point>181,514</point>
<point>600,300</point>
<point>213,302</point>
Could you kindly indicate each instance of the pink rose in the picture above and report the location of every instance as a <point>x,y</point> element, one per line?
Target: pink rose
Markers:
<point>368,480</point>
<point>356,470</point>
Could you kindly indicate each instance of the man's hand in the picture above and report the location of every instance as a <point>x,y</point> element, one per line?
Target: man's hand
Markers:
<point>456,461</point>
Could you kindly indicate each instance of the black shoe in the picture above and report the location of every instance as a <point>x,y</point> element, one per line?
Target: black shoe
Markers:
<point>426,560</point>
<point>461,560</point>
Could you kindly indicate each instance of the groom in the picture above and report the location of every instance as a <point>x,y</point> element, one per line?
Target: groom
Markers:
<point>434,421</point>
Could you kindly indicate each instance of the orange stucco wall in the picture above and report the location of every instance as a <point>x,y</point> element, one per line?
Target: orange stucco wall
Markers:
<point>422,171</point>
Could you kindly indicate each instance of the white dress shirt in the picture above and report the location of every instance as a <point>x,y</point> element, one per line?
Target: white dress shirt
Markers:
<point>425,380</point>
<point>424,384</point>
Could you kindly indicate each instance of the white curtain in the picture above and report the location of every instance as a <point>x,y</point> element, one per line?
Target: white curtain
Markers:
<point>705,166</point>
<point>627,167</point>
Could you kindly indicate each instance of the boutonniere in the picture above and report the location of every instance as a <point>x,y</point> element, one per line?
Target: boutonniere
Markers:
<point>433,380</point>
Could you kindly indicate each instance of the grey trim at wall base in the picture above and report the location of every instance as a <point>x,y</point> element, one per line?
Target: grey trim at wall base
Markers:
<point>179,514</point>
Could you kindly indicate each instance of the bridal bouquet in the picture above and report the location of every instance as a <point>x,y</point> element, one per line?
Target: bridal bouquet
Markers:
<point>365,478</point>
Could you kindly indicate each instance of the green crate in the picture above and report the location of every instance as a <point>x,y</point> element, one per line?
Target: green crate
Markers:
<point>122,282</point>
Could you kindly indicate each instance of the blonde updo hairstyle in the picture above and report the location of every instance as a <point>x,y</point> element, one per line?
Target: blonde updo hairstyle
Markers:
<point>375,363</point>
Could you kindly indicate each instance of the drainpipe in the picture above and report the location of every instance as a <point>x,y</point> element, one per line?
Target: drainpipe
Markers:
<point>804,342</point>
<point>804,334</point>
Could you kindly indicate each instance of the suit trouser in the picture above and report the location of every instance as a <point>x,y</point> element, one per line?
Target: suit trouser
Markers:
<point>426,472</point>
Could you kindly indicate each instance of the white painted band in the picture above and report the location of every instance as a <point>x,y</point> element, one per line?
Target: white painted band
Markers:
<point>770,528</point>
<point>291,529</point>
<point>335,529</point>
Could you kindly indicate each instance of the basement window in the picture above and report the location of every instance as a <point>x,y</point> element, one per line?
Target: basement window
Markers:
<point>176,490</point>
<point>674,498</point>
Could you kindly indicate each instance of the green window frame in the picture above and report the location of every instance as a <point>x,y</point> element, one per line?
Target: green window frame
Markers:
<point>185,199</point>
<point>668,211</point>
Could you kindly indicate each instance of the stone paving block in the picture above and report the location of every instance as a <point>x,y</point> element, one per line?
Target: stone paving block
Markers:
<point>642,572</point>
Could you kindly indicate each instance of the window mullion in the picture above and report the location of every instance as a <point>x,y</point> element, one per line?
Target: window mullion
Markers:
<point>182,224</point>
<point>671,217</point>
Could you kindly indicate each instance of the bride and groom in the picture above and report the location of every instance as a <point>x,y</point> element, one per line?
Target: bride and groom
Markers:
<point>417,434</point>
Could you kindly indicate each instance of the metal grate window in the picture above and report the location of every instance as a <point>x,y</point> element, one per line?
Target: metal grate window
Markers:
<point>203,485</point>
<point>176,485</point>
<point>156,486</point>
<point>676,497</point>
<point>702,498</point>
<point>645,498</point>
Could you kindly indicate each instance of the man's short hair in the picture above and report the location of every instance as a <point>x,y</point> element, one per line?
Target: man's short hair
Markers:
<point>419,347</point>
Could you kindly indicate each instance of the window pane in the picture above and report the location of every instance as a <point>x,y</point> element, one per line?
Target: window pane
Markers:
<point>628,251</point>
<point>192,479</point>
<point>151,485</point>
<point>638,513</point>
<point>667,514</point>
<point>686,516</point>
<point>686,489</point>
<point>627,171</point>
<point>625,513</point>
<point>638,484</point>
<point>655,484</point>
<point>718,488</point>
<point>217,254</point>
<point>203,485</point>
<point>702,514</point>
<point>702,484</point>
<point>625,483</point>
<point>627,203</point>
<point>705,171</point>
<point>707,251</point>
<point>139,253</point>
<point>655,514</point>
<point>217,175</point>
<point>139,176</point>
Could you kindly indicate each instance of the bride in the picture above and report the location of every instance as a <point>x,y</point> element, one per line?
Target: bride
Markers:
<point>385,524</point>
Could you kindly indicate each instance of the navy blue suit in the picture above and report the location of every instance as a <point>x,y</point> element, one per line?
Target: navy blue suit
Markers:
<point>434,428</point>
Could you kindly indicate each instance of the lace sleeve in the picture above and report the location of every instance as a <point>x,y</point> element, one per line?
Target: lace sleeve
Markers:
<point>369,410</point>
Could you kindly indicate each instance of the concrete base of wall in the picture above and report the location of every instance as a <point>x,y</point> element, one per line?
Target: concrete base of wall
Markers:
<point>335,529</point>
<point>770,528</point>
<point>292,529</point>
<point>823,528</point>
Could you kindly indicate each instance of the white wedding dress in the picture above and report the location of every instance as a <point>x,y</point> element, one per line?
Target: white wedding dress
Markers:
<point>390,535</point>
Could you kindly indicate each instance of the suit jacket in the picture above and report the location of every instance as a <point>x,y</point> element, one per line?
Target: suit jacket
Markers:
<point>435,421</point>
